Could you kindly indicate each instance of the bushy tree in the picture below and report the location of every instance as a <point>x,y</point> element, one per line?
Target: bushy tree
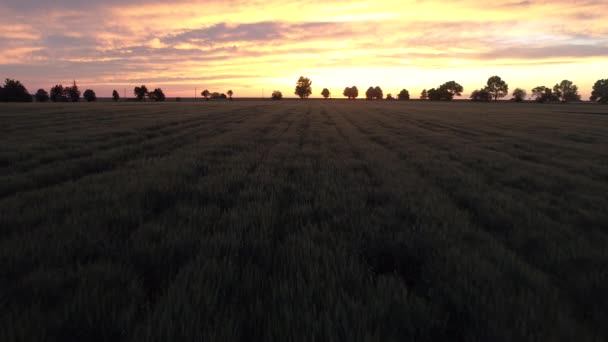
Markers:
<point>389,97</point>
<point>519,95</point>
<point>303,87</point>
<point>403,95</point>
<point>424,95</point>
<point>230,93</point>
<point>445,92</point>
<point>89,95</point>
<point>351,92</point>
<point>374,93</point>
<point>58,94</point>
<point>157,95</point>
<point>277,95</point>
<point>115,96</point>
<point>325,93</point>
<point>72,93</point>
<point>481,95</point>
<point>41,95</point>
<point>544,94</point>
<point>140,92</point>
<point>14,91</point>
<point>600,91</point>
<point>452,88</point>
<point>205,93</point>
<point>566,91</point>
<point>497,87</point>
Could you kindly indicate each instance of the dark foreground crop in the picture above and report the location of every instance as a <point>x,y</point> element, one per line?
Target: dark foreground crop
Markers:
<point>301,221</point>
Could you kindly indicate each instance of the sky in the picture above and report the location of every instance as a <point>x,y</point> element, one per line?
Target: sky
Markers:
<point>254,47</point>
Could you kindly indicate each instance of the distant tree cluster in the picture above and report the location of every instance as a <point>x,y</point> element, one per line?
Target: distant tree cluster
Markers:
<point>565,91</point>
<point>14,91</point>
<point>216,96</point>
<point>494,89</point>
<point>374,93</point>
<point>142,92</point>
<point>351,92</point>
<point>445,92</point>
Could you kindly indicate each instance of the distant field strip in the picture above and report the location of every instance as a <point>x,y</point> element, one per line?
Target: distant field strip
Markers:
<point>303,220</point>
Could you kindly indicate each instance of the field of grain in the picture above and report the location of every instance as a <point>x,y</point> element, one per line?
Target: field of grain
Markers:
<point>303,220</point>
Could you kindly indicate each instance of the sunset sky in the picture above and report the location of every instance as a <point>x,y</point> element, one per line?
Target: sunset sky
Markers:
<point>248,46</point>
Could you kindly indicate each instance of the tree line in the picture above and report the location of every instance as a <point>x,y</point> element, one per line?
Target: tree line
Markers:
<point>494,89</point>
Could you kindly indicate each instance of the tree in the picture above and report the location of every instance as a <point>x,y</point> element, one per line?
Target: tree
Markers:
<point>600,91</point>
<point>424,95</point>
<point>497,87</point>
<point>115,96</point>
<point>403,95</point>
<point>519,95</point>
<point>325,93</point>
<point>450,89</point>
<point>369,93</point>
<point>378,94</point>
<point>230,93</point>
<point>72,93</point>
<point>544,94</point>
<point>41,95</point>
<point>351,92</point>
<point>89,95</point>
<point>303,89</point>
<point>389,97</point>
<point>157,95</point>
<point>566,91</point>
<point>205,93</point>
<point>140,92</point>
<point>58,94</point>
<point>277,95</point>
<point>14,91</point>
<point>481,95</point>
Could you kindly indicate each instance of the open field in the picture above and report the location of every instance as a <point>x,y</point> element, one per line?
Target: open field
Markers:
<point>303,220</point>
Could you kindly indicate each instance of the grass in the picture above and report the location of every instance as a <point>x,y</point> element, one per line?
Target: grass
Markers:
<point>303,220</point>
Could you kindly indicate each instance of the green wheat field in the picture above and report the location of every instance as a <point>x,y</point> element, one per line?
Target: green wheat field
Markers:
<point>303,221</point>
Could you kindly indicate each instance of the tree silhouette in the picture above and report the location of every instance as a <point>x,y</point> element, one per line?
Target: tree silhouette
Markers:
<point>157,95</point>
<point>374,93</point>
<point>544,94</point>
<point>378,94</point>
<point>72,93</point>
<point>41,95</point>
<point>115,96</point>
<point>481,95</point>
<point>600,91</point>
<point>303,89</point>
<point>325,93</point>
<point>351,92</point>
<point>369,93</point>
<point>14,91</point>
<point>452,88</point>
<point>424,95</point>
<point>566,91</point>
<point>140,92</point>
<point>497,87</point>
<point>389,97</point>
<point>205,93</point>
<point>403,95</point>
<point>230,93</point>
<point>519,95</point>
<point>58,94</point>
<point>89,95</point>
<point>277,95</point>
